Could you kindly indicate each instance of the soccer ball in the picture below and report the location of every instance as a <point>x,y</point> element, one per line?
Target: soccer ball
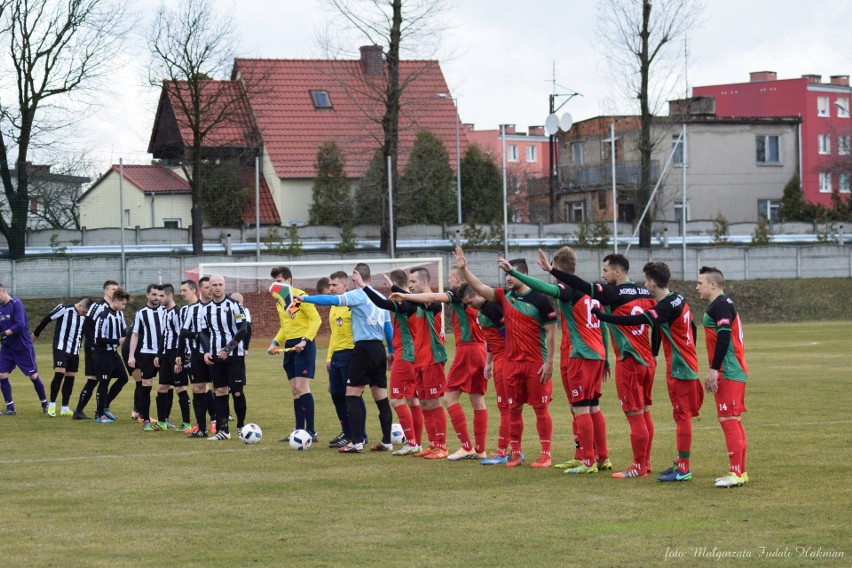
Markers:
<point>397,435</point>
<point>251,434</point>
<point>300,440</point>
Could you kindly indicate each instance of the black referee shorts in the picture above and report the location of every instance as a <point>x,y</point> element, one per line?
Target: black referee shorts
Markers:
<point>369,365</point>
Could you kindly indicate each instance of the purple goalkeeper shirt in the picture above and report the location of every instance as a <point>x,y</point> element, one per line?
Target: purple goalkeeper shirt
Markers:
<point>14,317</point>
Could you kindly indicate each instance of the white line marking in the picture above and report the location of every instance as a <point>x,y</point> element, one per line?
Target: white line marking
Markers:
<point>124,456</point>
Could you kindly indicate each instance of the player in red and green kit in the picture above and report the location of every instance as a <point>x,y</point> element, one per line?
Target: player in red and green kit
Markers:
<point>494,331</point>
<point>467,373</point>
<point>530,321</point>
<point>583,363</point>
<point>635,364</point>
<point>728,372</point>
<point>429,359</point>
<point>672,325</point>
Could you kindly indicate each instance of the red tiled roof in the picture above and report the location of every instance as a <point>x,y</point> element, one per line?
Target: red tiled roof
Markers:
<point>154,179</point>
<point>225,116</point>
<point>293,130</point>
<point>268,211</point>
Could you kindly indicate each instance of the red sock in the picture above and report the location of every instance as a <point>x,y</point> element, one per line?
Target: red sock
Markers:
<point>440,428</point>
<point>586,436</point>
<point>403,414</point>
<point>638,440</point>
<point>683,438</point>
<point>544,425</point>
<point>480,429</point>
<point>503,431</point>
<point>429,422</point>
<point>459,421</point>
<point>516,428</point>
<point>649,424</point>
<point>734,442</point>
<point>601,450</point>
<point>745,445</point>
<point>417,421</point>
<point>578,454</point>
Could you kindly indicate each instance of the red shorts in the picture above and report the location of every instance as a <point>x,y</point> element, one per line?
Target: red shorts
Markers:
<point>499,371</point>
<point>402,379</point>
<point>633,384</point>
<point>467,373</point>
<point>523,385</point>
<point>687,396</point>
<point>430,381</point>
<point>730,398</point>
<point>583,379</point>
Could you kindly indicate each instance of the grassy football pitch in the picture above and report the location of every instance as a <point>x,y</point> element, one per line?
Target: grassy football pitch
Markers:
<point>85,494</point>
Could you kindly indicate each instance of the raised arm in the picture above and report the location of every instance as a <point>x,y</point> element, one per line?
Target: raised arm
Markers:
<point>574,281</point>
<point>545,288</point>
<point>420,298</point>
<point>320,300</point>
<point>486,292</point>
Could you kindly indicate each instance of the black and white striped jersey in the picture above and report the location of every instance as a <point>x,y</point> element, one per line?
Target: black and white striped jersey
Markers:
<point>171,329</point>
<point>110,327</point>
<point>225,322</point>
<point>69,328</point>
<point>89,322</point>
<point>148,325</point>
<point>190,325</point>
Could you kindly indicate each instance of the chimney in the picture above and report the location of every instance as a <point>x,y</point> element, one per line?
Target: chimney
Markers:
<point>813,79</point>
<point>756,76</point>
<point>509,128</point>
<point>372,61</point>
<point>536,130</point>
<point>840,80</point>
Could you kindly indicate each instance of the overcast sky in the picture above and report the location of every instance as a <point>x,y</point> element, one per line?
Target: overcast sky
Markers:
<point>499,57</point>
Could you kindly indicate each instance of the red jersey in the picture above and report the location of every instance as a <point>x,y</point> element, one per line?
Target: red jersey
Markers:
<point>526,316</point>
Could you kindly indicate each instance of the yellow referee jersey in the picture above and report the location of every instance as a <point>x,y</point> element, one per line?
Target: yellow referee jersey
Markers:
<point>305,322</point>
<point>340,323</point>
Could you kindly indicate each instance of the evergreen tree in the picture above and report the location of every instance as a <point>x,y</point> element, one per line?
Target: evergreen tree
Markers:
<point>482,188</point>
<point>793,207</point>
<point>427,187</point>
<point>369,193</point>
<point>332,200</point>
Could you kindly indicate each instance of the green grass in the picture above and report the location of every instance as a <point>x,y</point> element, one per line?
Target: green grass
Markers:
<point>81,493</point>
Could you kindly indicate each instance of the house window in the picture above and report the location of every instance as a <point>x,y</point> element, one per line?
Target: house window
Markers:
<point>321,99</point>
<point>768,209</point>
<point>822,106</point>
<point>171,223</point>
<point>575,212</point>
<point>844,183</point>
<point>627,213</point>
<point>678,212</point>
<point>842,106</point>
<point>577,153</point>
<point>677,150</point>
<point>767,149</point>
<point>127,217</point>
<point>512,152</point>
<point>824,143</point>
<point>531,154</point>
<point>843,145</point>
<point>33,206</point>
<point>825,182</point>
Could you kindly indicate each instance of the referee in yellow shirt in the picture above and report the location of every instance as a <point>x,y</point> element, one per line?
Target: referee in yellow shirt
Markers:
<point>298,330</point>
<point>340,348</point>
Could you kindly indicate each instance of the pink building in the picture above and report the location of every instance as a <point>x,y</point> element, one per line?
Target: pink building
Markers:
<point>526,168</point>
<point>825,128</point>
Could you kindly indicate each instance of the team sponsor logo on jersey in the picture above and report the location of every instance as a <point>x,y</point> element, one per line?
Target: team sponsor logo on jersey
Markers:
<point>599,287</point>
<point>551,315</point>
<point>653,314</point>
<point>723,321</point>
<point>339,321</point>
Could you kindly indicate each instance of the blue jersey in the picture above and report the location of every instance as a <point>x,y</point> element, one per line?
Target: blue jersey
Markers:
<point>13,317</point>
<point>368,320</point>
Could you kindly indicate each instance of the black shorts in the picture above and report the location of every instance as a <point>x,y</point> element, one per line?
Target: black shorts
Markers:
<point>167,371</point>
<point>228,373</point>
<point>369,365</point>
<point>199,372</point>
<point>67,361</point>
<point>145,363</point>
<point>108,365</point>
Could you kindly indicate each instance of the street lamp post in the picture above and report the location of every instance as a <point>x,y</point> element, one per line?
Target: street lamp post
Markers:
<point>458,155</point>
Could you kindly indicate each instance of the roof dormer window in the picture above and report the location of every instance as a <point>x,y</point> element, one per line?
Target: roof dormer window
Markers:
<point>321,99</point>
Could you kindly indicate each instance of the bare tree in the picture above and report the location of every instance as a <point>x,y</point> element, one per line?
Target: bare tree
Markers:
<point>190,47</point>
<point>399,26</point>
<point>640,41</point>
<point>53,49</point>
<point>54,191</point>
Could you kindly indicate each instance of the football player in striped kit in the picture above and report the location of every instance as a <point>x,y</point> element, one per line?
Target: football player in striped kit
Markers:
<point>173,379</point>
<point>67,336</point>
<point>110,329</point>
<point>143,353</point>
